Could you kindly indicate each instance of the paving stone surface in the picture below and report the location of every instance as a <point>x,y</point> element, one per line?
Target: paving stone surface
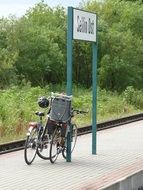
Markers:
<point>119,154</point>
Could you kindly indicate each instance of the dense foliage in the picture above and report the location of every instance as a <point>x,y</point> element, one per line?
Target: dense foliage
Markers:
<point>120,43</point>
<point>17,107</point>
<point>33,47</point>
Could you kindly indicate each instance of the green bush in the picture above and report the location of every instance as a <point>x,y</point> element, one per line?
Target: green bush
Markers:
<point>134,97</point>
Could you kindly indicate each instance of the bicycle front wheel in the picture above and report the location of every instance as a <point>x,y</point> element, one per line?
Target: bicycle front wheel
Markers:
<point>73,141</point>
<point>55,145</point>
<point>31,146</point>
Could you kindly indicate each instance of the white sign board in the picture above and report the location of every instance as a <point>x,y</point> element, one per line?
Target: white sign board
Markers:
<point>84,25</point>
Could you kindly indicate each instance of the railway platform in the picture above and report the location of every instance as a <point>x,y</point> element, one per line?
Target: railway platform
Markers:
<point>118,164</point>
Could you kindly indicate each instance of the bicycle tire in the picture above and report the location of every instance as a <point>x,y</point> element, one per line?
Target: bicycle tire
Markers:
<point>30,149</point>
<point>55,145</point>
<point>73,141</point>
<point>43,149</point>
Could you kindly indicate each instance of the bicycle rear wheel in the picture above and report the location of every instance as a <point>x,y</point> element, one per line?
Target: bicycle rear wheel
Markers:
<point>55,145</point>
<point>73,141</point>
<point>43,149</point>
<point>31,146</point>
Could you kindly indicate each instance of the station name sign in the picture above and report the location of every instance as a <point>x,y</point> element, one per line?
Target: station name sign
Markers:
<point>84,25</point>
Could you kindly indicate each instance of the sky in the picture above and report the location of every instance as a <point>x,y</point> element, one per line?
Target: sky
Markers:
<point>19,7</point>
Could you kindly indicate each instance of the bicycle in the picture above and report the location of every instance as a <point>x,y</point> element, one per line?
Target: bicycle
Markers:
<point>48,145</point>
<point>59,142</point>
<point>38,139</point>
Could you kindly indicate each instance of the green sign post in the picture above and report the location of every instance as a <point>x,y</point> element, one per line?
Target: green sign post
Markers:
<point>82,26</point>
<point>69,71</point>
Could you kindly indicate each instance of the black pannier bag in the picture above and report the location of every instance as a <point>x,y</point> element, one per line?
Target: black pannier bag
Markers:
<point>60,108</point>
<point>50,126</point>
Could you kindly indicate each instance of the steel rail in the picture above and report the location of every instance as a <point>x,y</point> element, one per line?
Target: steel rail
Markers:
<point>19,144</point>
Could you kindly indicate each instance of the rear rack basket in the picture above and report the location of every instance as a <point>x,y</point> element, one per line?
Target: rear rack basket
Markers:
<point>60,107</point>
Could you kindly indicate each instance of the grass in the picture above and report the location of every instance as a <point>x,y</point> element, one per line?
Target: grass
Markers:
<point>17,107</point>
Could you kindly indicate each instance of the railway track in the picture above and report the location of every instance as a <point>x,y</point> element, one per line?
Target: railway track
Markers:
<point>19,145</point>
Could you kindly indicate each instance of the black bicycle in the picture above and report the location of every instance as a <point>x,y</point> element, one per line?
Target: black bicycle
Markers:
<point>59,141</point>
<point>37,142</point>
<point>38,139</point>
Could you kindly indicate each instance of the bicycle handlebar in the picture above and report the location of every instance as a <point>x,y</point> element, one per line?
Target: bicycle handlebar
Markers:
<point>78,112</point>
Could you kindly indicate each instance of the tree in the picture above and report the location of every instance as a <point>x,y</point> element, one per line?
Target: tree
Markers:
<point>40,42</point>
<point>7,55</point>
<point>120,42</point>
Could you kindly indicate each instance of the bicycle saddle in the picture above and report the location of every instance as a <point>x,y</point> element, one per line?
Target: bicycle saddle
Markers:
<point>39,113</point>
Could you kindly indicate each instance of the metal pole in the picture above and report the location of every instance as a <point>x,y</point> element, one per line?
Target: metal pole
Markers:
<point>94,96</point>
<point>69,71</point>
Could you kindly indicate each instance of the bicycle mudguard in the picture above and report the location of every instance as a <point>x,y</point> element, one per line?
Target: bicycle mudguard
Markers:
<point>31,126</point>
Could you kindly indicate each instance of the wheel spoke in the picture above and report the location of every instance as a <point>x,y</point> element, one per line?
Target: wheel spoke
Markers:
<point>55,146</point>
<point>43,148</point>
<point>73,141</point>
